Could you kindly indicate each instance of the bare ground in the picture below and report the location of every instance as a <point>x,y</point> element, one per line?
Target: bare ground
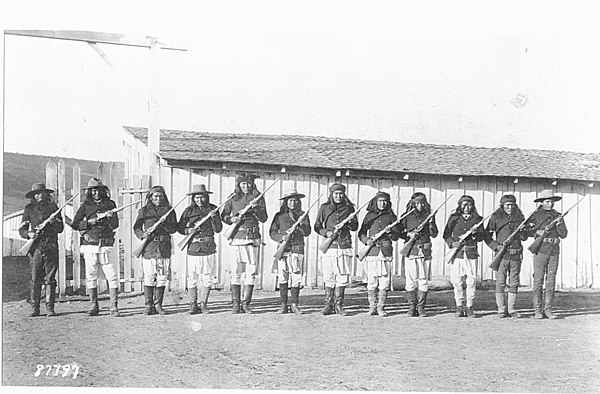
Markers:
<point>309,352</point>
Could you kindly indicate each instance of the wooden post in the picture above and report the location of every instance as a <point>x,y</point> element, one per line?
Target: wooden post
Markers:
<point>102,282</point>
<point>114,255</point>
<point>75,244</point>
<point>126,236</point>
<point>62,252</point>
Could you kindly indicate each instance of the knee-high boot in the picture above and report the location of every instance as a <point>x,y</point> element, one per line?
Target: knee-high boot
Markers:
<point>421,301</point>
<point>328,309</point>
<point>412,303</point>
<point>381,304</point>
<point>114,296</point>
<point>248,289</point>
<point>549,299</point>
<point>159,295</point>
<point>537,303</point>
<point>235,298</point>
<point>339,300</point>
<point>35,294</point>
<point>372,297</point>
<point>193,300</point>
<point>283,296</point>
<point>512,302</point>
<point>295,298</point>
<point>50,299</point>
<point>94,308</point>
<point>148,300</point>
<point>501,305</point>
<point>204,293</point>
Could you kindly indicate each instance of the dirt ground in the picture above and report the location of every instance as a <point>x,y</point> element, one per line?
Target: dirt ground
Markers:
<point>308,352</point>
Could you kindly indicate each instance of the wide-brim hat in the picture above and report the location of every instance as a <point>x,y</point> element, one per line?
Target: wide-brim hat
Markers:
<point>198,189</point>
<point>291,192</point>
<point>547,195</point>
<point>37,188</point>
<point>95,183</point>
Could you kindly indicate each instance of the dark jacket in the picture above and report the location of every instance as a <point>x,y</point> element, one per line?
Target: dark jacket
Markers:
<point>423,239</point>
<point>372,224</point>
<point>102,232</point>
<point>540,219</point>
<point>500,227</point>
<point>203,242</point>
<point>283,222</point>
<point>329,216</point>
<point>248,228</point>
<point>160,244</point>
<point>456,226</point>
<point>35,214</point>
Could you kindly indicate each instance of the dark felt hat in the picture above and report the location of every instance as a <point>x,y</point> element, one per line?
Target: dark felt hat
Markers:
<point>37,188</point>
<point>95,183</point>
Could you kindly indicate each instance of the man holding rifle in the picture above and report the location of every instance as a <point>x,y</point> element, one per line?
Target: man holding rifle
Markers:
<point>201,249</point>
<point>378,261</point>
<point>156,255</point>
<point>290,267</point>
<point>417,261</point>
<point>43,255</point>
<point>548,225</point>
<point>502,224</point>
<point>246,239</point>
<point>336,260</point>
<point>460,227</point>
<point>96,223</point>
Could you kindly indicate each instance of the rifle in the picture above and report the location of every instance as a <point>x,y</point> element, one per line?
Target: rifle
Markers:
<point>495,263</point>
<point>28,247</point>
<point>338,227</point>
<point>137,252</point>
<point>365,250</point>
<point>234,226</point>
<point>451,255</point>
<point>405,251</point>
<point>537,243</point>
<point>102,215</point>
<point>279,253</point>
<point>185,241</point>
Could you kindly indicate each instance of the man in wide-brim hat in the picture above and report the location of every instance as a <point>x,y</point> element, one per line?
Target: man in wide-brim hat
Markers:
<point>545,262</point>
<point>43,256</point>
<point>202,249</point>
<point>290,268</point>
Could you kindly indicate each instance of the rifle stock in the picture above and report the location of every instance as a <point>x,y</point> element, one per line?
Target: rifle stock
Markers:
<point>407,248</point>
<point>451,255</point>
<point>230,232</point>
<point>137,252</point>
<point>495,263</point>
<point>28,247</point>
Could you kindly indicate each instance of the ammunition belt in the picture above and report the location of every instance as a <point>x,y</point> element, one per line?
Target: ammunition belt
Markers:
<point>161,238</point>
<point>514,251</point>
<point>203,239</point>
<point>554,241</point>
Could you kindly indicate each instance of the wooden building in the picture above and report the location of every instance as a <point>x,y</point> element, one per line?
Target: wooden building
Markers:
<point>312,164</point>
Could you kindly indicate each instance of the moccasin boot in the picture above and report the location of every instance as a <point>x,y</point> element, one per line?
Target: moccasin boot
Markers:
<point>421,301</point>
<point>94,308</point>
<point>159,295</point>
<point>411,296</point>
<point>372,297</point>
<point>283,296</point>
<point>235,298</point>
<point>35,294</point>
<point>193,291</point>
<point>512,302</point>
<point>339,300</point>
<point>50,299</point>
<point>148,299</point>
<point>328,309</point>
<point>114,300</point>
<point>204,293</point>
<point>295,298</point>
<point>248,289</point>
<point>381,303</point>
<point>501,305</point>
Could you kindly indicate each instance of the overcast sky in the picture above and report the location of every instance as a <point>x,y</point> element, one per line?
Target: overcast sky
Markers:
<point>509,75</point>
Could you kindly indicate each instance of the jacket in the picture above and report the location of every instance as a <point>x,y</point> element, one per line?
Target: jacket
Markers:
<point>248,228</point>
<point>500,227</point>
<point>372,224</point>
<point>160,244</point>
<point>456,226</point>
<point>34,214</point>
<point>283,222</point>
<point>102,232</point>
<point>423,239</point>
<point>540,219</point>
<point>329,216</point>
<point>203,242</point>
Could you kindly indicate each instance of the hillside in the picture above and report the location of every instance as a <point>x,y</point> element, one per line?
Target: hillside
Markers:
<point>21,171</point>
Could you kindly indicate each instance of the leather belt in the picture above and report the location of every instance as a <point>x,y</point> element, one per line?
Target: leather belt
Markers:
<point>203,239</point>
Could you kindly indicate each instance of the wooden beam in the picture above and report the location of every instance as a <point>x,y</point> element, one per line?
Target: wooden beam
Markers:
<point>95,37</point>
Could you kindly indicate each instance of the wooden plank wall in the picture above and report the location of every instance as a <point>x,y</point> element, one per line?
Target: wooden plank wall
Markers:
<point>577,266</point>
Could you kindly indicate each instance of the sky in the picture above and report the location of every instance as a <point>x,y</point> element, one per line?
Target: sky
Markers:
<point>495,74</point>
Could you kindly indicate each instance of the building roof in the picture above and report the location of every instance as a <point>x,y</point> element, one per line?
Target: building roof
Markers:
<point>365,155</point>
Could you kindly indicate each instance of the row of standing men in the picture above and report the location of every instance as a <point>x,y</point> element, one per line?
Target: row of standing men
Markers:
<point>96,221</point>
